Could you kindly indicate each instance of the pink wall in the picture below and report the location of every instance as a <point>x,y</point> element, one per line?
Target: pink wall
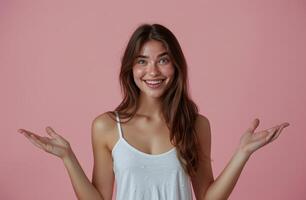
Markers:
<point>59,63</point>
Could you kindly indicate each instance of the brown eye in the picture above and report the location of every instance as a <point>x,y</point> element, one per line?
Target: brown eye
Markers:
<point>164,60</point>
<point>141,61</point>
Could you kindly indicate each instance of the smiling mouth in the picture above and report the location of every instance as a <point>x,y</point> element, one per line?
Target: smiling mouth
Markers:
<point>154,83</point>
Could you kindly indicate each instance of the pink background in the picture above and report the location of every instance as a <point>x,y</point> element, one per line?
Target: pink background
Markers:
<point>59,64</point>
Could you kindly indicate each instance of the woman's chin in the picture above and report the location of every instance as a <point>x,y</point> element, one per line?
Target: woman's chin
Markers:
<point>154,95</point>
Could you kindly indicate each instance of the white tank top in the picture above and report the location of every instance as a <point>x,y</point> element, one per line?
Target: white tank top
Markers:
<point>142,176</point>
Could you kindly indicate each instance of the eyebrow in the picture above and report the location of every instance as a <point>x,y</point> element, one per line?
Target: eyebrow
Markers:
<point>160,55</point>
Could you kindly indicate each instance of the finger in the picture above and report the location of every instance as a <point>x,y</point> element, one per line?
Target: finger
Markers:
<point>45,139</point>
<point>271,134</point>
<point>53,134</point>
<point>40,142</point>
<point>253,126</point>
<point>276,135</point>
<point>272,128</point>
<point>260,135</point>
<point>27,133</point>
<point>45,146</point>
<point>285,124</point>
<point>263,134</point>
<point>22,131</point>
<point>33,141</point>
<point>275,131</point>
<point>263,140</point>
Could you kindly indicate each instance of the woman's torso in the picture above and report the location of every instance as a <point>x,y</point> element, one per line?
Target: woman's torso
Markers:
<point>145,162</point>
<point>143,134</point>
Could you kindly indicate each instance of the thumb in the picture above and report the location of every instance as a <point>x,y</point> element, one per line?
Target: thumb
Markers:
<point>52,133</point>
<point>253,125</point>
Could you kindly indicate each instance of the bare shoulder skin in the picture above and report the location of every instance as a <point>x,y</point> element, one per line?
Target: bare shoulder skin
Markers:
<point>102,135</point>
<point>204,176</point>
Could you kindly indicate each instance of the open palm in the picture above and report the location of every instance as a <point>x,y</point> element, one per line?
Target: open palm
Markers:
<point>251,141</point>
<point>56,145</point>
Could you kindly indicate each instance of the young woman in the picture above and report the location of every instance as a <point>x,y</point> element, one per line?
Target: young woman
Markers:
<point>155,140</point>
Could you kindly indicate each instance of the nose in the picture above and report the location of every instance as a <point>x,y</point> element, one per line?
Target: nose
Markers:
<point>153,69</point>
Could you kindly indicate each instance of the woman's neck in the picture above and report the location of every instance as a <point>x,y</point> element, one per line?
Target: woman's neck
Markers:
<point>150,107</point>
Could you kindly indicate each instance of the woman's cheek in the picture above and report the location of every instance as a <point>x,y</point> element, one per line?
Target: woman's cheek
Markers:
<point>138,74</point>
<point>169,70</point>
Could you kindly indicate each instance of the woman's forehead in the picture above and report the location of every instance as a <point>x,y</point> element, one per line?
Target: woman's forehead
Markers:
<point>152,48</point>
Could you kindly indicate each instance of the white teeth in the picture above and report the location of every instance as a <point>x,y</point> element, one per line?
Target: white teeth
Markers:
<point>153,82</point>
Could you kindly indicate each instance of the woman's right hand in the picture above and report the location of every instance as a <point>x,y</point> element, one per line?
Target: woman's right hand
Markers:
<point>56,145</point>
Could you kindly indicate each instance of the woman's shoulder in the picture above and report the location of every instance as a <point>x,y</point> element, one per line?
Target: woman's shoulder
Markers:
<point>202,119</point>
<point>104,121</point>
<point>103,128</point>
<point>202,126</point>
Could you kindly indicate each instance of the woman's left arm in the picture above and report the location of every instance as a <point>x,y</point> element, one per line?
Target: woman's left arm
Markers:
<point>221,188</point>
<point>224,184</point>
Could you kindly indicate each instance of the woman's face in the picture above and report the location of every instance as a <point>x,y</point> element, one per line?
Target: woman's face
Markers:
<point>153,70</point>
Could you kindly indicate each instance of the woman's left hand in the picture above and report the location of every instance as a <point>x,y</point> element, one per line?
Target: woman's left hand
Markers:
<point>251,141</point>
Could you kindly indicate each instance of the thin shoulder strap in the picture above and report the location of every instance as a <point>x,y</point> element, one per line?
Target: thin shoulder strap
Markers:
<point>118,124</point>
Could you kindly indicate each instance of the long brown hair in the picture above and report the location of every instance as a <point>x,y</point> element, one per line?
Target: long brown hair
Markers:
<point>179,110</point>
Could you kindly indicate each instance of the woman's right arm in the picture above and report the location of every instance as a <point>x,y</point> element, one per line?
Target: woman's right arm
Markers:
<point>82,187</point>
<point>103,178</point>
